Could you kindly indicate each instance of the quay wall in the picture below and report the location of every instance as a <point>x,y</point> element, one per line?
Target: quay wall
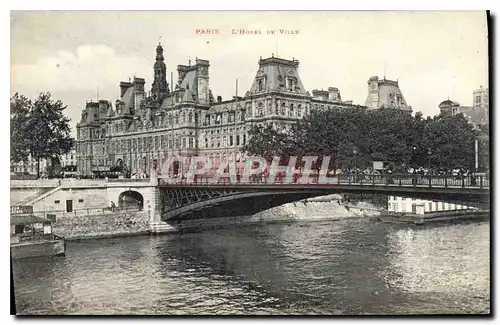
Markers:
<point>82,198</point>
<point>112,224</point>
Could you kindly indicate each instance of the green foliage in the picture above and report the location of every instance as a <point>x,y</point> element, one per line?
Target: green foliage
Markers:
<point>39,128</point>
<point>359,137</point>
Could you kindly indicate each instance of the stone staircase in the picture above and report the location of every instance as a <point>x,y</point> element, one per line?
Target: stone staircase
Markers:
<point>24,201</point>
<point>44,193</point>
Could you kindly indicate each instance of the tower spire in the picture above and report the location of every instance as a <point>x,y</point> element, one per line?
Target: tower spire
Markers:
<point>159,88</point>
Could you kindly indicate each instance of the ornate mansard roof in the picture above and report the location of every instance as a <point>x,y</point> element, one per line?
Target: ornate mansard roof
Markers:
<point>276,74</point>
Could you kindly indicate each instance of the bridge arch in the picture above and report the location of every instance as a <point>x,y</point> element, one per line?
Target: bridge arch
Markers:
<point>131,199</point>
<point>190,201</point>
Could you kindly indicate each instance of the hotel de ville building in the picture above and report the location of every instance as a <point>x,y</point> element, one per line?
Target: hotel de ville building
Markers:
<point>187,119</point>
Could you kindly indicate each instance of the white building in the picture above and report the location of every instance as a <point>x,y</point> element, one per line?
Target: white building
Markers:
<point>68,159</point>
<point>409,205</point>
<point>29,167</point>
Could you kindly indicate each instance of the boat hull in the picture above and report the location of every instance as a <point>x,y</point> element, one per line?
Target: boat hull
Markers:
<point>38,249</point>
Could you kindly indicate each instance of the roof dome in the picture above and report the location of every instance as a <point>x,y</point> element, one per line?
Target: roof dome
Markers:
<point>448,103</point>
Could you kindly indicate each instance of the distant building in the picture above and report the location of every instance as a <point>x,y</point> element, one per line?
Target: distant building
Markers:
<point>384,93</point>
<point>477,115</point>
<point>29,167</point>
<point>481,103</point>
<point>69,163</point>
<point>449,107</point>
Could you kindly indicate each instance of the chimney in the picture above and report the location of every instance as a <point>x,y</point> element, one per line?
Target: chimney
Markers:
<point>333,94</point>
<point>139,81</point>
<point>124,86</point>
<point>181,71</point>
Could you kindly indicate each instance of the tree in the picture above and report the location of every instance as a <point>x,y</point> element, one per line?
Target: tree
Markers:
<point>452,141</point>
<point>359,136</point>
<point>484,149</point>
<point>38,128</point>
<point>266,142</point>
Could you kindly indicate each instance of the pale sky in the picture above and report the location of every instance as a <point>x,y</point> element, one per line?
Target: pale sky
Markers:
<point>435,55</point>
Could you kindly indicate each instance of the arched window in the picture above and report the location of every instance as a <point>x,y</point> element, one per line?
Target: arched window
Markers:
<point>261,87</point>
<point>291,110</point>
<point>299,110</point>
<point>283,109</point>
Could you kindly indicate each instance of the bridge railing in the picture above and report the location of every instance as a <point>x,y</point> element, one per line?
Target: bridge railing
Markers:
<point>127,180</point>
<point>480,181</point>
<point>417,179</point>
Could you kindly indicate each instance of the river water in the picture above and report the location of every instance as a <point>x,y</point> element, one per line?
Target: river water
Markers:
<point>346,266</point>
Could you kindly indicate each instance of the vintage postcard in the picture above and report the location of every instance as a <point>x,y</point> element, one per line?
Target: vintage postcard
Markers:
<point>250,163</point>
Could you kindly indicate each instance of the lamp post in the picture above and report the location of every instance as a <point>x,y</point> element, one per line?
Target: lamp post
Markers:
<point>355,152</point>
<point>414,178</point>
<point>429,153</point>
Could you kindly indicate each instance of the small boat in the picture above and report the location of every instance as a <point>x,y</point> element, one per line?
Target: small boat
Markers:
<point>32,236</point>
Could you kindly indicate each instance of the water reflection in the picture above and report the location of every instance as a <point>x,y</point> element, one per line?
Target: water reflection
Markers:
<point>450,262</point>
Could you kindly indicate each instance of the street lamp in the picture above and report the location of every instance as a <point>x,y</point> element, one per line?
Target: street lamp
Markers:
<point>414,179</point>
<point>355,152</point>
<point>429,153</point>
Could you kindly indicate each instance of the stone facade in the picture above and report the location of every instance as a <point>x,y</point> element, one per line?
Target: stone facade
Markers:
<point>185,119</point>
<point>81,199</point>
